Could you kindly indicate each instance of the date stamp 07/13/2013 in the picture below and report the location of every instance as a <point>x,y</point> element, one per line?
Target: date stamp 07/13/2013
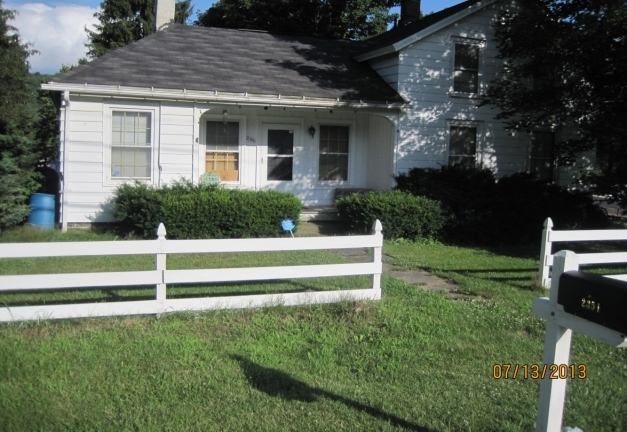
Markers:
<point>539,371</point>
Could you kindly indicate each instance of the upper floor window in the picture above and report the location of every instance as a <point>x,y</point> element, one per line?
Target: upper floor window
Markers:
<point>333,158</point>
<point>462,146</point>
<point>131,145</point>
<point>466,67</point>
<point>541,155</point>
<point>222,155</point>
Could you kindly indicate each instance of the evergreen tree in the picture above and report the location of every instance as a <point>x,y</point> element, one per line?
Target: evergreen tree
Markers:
<point>18,152</point>
<point>565,65</point>
<point>345,19</point>
<point>125,21</point>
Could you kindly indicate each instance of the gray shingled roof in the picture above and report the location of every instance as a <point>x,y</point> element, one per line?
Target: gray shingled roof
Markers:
<point>225,60</point>
<point>399,33</point>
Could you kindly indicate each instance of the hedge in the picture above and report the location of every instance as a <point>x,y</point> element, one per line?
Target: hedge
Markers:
<point>401,214</point>
<point>510,210</point>
<point>203,211</point>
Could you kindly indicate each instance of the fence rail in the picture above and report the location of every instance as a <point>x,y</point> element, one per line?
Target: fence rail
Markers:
<point>161,276</point>
<point>549,237</point>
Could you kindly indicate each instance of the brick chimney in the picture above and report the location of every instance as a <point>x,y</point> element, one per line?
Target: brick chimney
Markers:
<point>164,14</point>
<point>410,11</point>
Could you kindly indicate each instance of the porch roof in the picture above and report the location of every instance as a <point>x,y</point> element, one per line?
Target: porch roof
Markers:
<point>205,59</point>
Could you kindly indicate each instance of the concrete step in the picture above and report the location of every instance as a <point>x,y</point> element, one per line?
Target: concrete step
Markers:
<point>319,213</point>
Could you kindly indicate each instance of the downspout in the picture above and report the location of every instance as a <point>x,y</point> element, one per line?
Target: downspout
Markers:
<point>397,139</point>
<point>65,104</point>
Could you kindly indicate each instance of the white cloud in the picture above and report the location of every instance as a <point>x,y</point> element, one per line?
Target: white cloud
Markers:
<point>57,32</point>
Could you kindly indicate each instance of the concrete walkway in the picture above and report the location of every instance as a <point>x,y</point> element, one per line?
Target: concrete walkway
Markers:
<point>421,279</point>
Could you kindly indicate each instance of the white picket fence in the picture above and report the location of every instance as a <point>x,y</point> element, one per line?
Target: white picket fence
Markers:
<point>161,276</point>
<point>549,237</point>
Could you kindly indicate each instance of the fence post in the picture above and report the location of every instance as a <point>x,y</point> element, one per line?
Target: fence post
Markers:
<point>545,252</point>
<point>376,278</point>
<point>556,352</point>
<point>161,262</point>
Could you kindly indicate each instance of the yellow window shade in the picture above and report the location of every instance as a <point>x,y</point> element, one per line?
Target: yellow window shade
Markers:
<point>224,163</point>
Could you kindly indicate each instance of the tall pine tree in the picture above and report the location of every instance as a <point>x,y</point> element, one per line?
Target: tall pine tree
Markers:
<point>18,151</point>
<point>125,21</point>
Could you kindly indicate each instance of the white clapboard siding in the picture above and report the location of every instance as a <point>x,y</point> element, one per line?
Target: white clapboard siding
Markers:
<point>161,276</point>
<point>86,116</point>
<point>423,70</point>
<point>549,237</point>
<point>86,126</point>
<point>180,120</point>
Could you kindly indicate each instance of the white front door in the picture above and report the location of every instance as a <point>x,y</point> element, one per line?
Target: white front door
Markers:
<point>283,158</point>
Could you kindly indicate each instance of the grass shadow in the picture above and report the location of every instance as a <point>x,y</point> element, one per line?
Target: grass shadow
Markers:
<point>277,383</point>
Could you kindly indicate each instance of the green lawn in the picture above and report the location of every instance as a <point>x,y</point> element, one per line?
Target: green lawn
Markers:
<point>415,360</point>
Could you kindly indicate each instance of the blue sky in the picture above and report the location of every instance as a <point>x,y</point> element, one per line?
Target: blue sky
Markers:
<point>56,28</point>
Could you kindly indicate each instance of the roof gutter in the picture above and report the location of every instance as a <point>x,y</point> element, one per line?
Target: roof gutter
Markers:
<point>221,97</point>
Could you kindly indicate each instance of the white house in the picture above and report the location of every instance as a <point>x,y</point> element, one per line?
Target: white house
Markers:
<point>292,113</point>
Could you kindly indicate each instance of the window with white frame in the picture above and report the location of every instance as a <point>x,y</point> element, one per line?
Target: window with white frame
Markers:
<point>542,154</point>
<point>131,145</point>
<point>466,67</point>
<point>462,145</point>
<point>333,158</point>
<point>222,154</point>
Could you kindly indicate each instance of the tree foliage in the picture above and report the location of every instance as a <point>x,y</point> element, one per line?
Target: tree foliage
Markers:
<point>565,66</point>
<point>125,21</point>
<point>18,151</point>
<point>346,19</point>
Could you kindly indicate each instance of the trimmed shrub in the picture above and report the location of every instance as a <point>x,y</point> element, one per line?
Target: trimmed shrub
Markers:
<point>203,211</point>
<point>508,211</point>
<point>137,209</point>
<point>401,214</point>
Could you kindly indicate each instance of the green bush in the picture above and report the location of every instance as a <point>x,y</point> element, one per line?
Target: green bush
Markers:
<point>203,211</point>
<point>137,208</point>
<point>511,210</point>
<point>401,214</point>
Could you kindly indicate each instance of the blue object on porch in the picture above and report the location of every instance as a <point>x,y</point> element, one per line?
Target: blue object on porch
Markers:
<point>288,225</point>
<point>41,211</point>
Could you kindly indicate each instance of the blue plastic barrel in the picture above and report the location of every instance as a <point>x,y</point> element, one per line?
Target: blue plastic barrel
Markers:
<point>41,211</point>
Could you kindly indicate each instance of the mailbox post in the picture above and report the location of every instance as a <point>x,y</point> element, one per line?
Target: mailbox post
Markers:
<point>559,328</point>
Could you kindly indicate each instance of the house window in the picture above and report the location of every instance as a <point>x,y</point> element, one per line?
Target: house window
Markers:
<point>542,157</point>
<point>333,161</point>
<point>222,155</point>
<point>280,154</point>
<point>131,145</point>
<point>462,146</point>
<point>466,70</point>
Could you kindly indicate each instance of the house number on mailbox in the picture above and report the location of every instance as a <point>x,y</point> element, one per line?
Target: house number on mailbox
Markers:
<point>591,305</point>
